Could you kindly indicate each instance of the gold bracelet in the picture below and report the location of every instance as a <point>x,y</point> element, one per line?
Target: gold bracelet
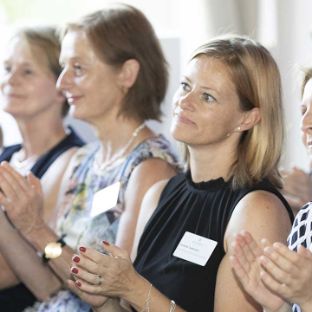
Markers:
<point>146,307</point>
<point>172,306</point>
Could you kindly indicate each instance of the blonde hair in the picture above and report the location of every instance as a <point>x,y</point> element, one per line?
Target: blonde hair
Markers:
<point>257,80</point>
<point>46,39</point>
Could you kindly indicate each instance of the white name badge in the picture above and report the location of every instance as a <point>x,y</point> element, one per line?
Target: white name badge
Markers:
<point>195,248</point>
<point>105,199</point>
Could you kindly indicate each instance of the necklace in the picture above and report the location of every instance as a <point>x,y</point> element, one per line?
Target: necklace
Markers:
<point>118,157</point>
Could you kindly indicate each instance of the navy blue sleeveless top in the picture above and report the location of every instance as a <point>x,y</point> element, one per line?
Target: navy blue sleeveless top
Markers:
<point>19,297</point>
<point>205,209</point>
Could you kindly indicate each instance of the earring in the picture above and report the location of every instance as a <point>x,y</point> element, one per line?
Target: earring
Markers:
<point>238,128</point>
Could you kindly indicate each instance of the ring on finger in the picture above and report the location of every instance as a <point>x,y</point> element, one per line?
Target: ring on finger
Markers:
<point>98,280</point>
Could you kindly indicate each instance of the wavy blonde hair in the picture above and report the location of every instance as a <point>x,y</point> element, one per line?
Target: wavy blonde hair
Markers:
<point>256,77</point>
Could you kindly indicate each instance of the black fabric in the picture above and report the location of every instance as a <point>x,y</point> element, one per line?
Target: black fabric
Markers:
<point>17,298</point>
<point>201,208</point>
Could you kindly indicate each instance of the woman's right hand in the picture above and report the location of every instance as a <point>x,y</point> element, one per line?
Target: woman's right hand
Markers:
<point>22,199</point>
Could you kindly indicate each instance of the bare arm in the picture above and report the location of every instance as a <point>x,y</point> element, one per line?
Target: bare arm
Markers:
<point>22,263</point>
<point>7,276</point>
<point>263,215</point>
<point>40,280</point>
<point>142,178</point>
<point>149,204</point>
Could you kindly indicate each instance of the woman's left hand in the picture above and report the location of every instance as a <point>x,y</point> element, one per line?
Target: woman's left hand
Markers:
<point>21,198</point>
<point>100,274</point>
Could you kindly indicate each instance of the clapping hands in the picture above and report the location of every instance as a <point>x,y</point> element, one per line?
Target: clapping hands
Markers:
<point>272,274</point>
<point>21,198</point>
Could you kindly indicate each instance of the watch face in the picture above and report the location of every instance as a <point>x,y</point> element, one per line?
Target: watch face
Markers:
<point>53,250</point>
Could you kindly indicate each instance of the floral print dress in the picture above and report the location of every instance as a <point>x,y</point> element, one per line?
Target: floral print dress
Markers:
<point>74,221</point>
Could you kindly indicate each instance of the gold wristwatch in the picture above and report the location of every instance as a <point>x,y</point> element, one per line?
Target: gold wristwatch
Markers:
<point>53,250</point>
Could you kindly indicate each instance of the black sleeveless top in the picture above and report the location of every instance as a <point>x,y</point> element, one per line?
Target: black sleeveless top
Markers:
<point>205,209</point>
<point>17,298</point>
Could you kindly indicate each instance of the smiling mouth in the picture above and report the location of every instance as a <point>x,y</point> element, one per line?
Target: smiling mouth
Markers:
<point>183,119</point>
<point>73,99</point>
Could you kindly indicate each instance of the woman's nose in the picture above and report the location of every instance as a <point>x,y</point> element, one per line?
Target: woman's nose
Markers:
<point>306,121</point>
<point>63,81</point>
<point>11,78</point>
<point>186,101</point>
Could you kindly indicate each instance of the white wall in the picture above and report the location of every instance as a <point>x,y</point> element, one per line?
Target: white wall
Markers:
<point>294,51</point>
<point>284,26</point>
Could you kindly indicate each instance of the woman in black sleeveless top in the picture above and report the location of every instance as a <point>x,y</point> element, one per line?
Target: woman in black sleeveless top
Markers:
<point>30,96</point>
<point>228,113</point>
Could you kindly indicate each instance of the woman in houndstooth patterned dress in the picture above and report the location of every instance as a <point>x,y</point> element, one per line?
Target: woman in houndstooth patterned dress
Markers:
<point>285,283</point>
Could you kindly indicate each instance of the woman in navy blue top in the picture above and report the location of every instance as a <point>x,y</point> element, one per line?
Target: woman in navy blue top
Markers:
<point>30,69</point>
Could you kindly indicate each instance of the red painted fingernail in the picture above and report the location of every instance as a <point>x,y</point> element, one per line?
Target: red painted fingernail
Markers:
<point>76,259</point>
<point>78,284</point>
<point>74,270</point>
<point>82,249</point>
<point>106,243</point>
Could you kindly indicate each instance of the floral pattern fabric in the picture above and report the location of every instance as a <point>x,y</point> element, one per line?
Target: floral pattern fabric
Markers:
<point>74,221</point>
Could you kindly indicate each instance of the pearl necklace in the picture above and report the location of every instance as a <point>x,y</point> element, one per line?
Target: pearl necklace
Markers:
<point>118,157</point>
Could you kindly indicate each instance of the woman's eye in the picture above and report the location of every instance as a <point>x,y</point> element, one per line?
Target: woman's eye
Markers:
<point>78,69</point>
<point>208,97</point>
<point>303,109</point>
<point>6,68</point>
<point>184,86</point>
<point>28,71</point>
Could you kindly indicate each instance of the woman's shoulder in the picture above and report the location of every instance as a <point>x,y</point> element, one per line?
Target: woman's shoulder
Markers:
<point>86,151</point>
<point>156,147</point>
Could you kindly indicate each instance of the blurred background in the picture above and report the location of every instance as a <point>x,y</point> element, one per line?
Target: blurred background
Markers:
<point>283,26</point>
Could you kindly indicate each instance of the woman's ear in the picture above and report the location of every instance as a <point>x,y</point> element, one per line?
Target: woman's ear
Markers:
<point>128,73</point>
<point>250,119</point>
